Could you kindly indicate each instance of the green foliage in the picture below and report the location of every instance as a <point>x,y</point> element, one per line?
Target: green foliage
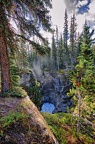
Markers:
<point>34,93</point>
<point>14,72</point>
<point>65,37</point>
<point>27,28</point>
<point>55,124</point>
<point>83,77</point>
<point>61,71</point>
<point>15,92</point>
<point>62,55</point>
<point>64,127</point>
<point>54,53</point>
<point>12,118</point>
<point>73,49</point>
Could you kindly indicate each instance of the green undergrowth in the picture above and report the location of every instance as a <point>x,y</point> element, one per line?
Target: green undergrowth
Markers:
<point>12,118</point>
<point>13,123</point>
<point>15,92</point>
<point>34,93</point>
<point>17,128</point>
<point>64,127</point>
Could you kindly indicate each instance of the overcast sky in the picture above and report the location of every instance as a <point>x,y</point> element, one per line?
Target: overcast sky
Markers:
<point>84,9</point>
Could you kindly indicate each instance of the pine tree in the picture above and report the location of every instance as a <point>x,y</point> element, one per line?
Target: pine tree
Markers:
<point>65,37</point>
<point>83,76</point>
<point>29,16</point>
<point>73,28</point>
<point>54,54</point>
<point>87,35</point>
<point>61,53</point>
<point>15,78</point>
<point>57,47</point>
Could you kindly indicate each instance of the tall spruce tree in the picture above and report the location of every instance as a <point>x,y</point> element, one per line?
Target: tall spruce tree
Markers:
<point>73,28</point>
<point>61,53</point>
<point>54,54</point>
<point>87,35</point>
<point>65,37</point>
<point>57,46</point>
<point>29,16</point>
<point>84,75</point>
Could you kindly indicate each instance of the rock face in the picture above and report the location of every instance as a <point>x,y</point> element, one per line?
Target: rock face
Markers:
<point>54,90</point>
<point>25,78</point>
<point>26,130</point>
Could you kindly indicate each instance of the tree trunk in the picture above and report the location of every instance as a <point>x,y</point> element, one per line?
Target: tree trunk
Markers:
<point>79,111</point>
<point>5,70</point>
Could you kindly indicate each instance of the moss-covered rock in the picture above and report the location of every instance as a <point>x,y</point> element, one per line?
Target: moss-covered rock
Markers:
<point>22,123</point>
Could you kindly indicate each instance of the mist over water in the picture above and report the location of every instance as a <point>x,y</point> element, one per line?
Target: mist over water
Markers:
<point>37,71</point>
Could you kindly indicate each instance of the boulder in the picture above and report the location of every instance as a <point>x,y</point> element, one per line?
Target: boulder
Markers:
<point>22,129</point>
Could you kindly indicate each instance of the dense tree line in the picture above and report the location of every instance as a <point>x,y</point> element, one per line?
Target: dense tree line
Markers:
<point>75,53</point>
<point>64,46</point>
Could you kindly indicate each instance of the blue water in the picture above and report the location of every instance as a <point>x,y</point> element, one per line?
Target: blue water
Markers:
<point>48,107</point>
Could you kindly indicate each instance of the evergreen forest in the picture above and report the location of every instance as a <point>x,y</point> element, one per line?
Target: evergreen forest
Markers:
<point>24,50</point>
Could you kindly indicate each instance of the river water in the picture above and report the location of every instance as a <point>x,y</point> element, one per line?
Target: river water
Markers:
<point>47,107</point>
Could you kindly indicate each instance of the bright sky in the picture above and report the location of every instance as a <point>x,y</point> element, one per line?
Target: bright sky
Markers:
<point>57,14</point>
<point>58,10</point>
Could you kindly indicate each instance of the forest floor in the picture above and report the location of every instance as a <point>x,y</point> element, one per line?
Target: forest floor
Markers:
<point>22,123</point>
<point>64,127</point>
